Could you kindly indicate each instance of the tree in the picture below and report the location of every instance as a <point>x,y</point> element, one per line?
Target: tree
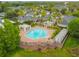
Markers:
<point>73,28</point>
<point>2,50</point>
<point>76,14</point>
<point>14,13</point>
<point>4,5</point>
<point>43,13</point>
<point>12,39</point>
<point>10,13</point>
<point>63,11</point>
<point>56,15</point>
<point>20,12</point>
<point>71,6</point>
<point>9,37</point>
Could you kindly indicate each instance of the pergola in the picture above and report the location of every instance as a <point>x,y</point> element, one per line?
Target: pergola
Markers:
<point>24,27</point>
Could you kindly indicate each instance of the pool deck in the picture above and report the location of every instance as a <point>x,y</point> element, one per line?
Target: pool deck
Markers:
<point>38,41</point>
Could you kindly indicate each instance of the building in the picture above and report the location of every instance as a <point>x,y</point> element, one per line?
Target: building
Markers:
<point>24,27</point>
<point>2,14</point>
<point>66,20</point>
<point>60,38</point>
<point>1,21</point>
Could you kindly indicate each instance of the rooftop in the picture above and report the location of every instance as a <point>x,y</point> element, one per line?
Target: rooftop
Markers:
<point>66,20</point>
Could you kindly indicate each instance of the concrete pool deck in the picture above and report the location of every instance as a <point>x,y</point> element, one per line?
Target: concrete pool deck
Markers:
<point>38,41</point>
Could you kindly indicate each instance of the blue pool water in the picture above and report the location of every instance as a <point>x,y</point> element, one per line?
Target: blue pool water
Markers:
<point>37,33</point>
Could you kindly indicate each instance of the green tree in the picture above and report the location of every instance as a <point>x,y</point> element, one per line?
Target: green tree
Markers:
<point>4,5</point>
<point>9,37</point>
<point>76,14</point>
<point>63,11</point>
<point>10,13</point>
<point>2,45</point>
<point>57,17</point>
<point>20,12</point>
<point>12,39</point>
<point>73,28</point>
<point>43,13</point>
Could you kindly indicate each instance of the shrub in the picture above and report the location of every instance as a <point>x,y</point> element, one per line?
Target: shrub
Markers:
<point>28,22</point>
<point>9,38</point>
<point>73,28</point>
<point>76,13</point>
<point>33,24</point>
<point>57,30</point>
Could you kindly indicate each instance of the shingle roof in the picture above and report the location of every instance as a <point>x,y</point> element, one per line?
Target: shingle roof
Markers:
<point>67,19</point>
<point>0,20</point>
<point>61,35</point>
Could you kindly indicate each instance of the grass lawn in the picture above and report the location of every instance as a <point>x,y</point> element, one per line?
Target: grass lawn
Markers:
<point>46,53</point>
<point>70,43</point>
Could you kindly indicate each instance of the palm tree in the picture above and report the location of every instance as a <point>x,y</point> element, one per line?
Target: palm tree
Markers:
<point>20,12</point>
<point>72,6</point>
<point>56,15</point>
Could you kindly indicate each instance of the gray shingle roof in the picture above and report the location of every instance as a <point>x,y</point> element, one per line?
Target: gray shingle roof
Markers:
<point>61,35</point>
<point>59,7</point>
<point>67,19</point>
<point>0,20</point>
<point>2,14</point>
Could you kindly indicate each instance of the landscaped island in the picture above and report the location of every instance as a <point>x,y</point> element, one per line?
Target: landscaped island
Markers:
<point>31,29</point>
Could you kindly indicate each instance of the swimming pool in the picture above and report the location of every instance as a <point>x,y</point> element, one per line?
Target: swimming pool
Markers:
<point>36,33</point>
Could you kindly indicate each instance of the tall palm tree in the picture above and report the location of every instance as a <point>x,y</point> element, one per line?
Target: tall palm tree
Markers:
<point>72,6</point>
<point>56,15</point>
